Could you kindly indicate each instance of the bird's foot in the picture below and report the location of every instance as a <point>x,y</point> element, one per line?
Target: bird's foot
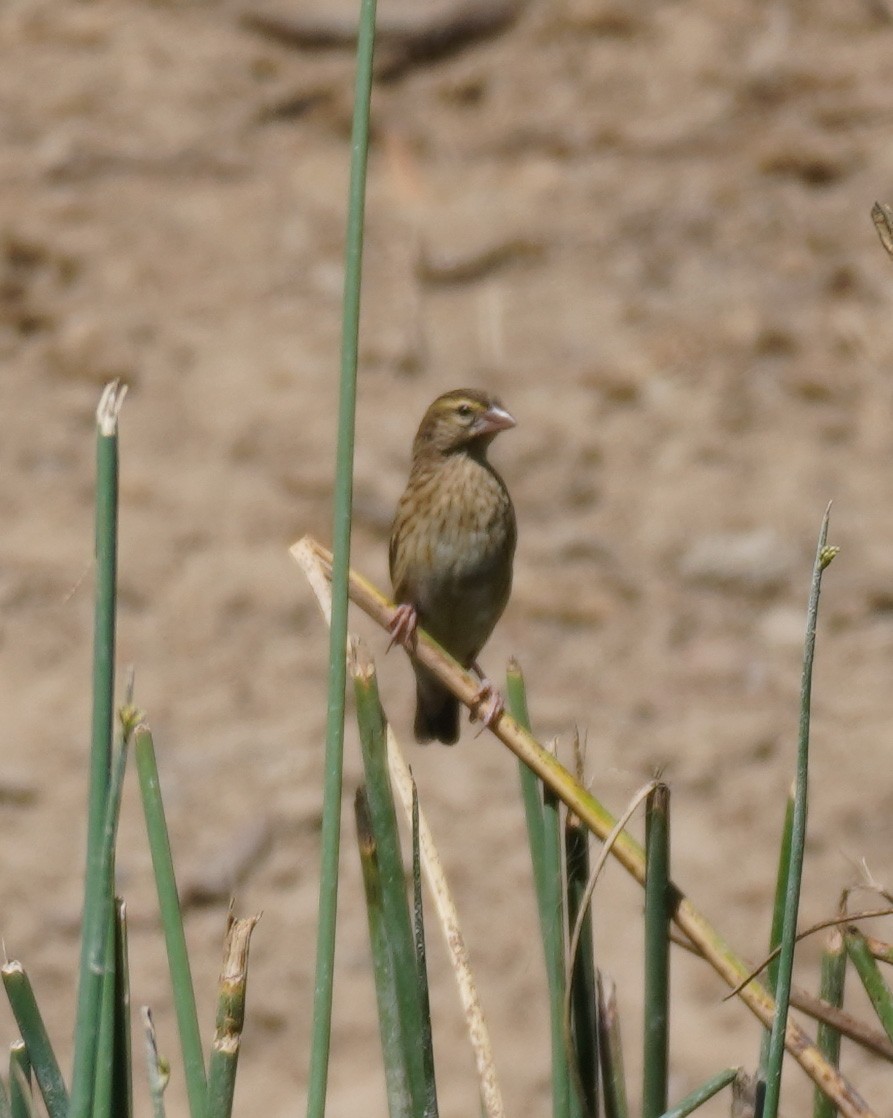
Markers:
<point>488,703</point>
<point>403,626</point>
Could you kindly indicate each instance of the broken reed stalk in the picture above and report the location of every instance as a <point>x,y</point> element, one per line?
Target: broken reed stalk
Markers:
<point>40,1051</point>
<point>97,890</point>
<point>231,992</point>
<point>629,853</point>
<point>19,1102</point>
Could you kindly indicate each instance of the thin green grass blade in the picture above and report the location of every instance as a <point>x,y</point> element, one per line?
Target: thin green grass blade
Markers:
<point>831,991</point>
<point>544,835</point>
<point>34,1034</point>
<point>870,973</point>
<point>231,993</point>
<point>27,1099</point>
<point>516,695</point>
<point>657,953</point>
<point>418,928</point>
<point>703,1094</point>
<point>824,555</point>
<point>395,904</point>
<point>19,1103</point>
<point>105,1047</point>
<point>584,995</point>
<point>27,1102</point>
<point>784,867</point>
<point>96,889</point>
<point>222,1067</point>
<point>98,935</point>
<point>172,922</point>
<point>343,502</point>
<point>781,886</point>
<point>123,1081</point>
<point>611,1051</point>
<point>396,1072</point>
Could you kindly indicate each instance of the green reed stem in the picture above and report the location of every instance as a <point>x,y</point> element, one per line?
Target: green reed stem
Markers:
<point>122,1083</point>
<point>823,557</point>
<point>341,530</point>
<point>19,1102</point>
<point>97,891</point>
<point>105,1046</point>
<point>781,887</point>
<point>564,1100</point>
<point>98,938</point>
<point>516,694</point>
<point>657,953</point>
<point>584,994</point>
<point>870,974</point>
<point>395,903</point>
<point>34,1033</point>
<point>171,921</point>
<point>541,808</point>
<point>396,1073</point>
<point>232,989</point>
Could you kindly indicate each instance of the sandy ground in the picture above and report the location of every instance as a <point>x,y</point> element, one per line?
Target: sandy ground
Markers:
<point>646,226</point>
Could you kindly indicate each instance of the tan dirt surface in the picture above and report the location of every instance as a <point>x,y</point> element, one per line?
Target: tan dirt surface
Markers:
<point>646,227</point>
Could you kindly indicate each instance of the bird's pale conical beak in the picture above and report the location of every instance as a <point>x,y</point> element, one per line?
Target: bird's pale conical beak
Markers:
<point>494,419</point>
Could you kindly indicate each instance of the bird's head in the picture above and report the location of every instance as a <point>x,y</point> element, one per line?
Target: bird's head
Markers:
<point>462,420</point>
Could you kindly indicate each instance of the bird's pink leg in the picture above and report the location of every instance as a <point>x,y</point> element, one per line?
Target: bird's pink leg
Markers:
<point>489,703</point>
<point>403,626</point>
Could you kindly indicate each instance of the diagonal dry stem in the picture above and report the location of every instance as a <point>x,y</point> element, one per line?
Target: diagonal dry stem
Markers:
<point>706,940</point>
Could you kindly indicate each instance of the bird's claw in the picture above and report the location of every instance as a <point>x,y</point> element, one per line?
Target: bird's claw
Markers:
<point>488,705</point>
<point>403,626</point>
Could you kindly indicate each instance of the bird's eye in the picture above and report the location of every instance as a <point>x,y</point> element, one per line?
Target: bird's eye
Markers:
<point>464,410</point>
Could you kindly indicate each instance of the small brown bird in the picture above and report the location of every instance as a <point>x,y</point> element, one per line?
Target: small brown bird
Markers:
<point>452,546</point>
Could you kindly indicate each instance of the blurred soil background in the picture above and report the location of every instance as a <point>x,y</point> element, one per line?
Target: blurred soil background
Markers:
<point>646,227</point>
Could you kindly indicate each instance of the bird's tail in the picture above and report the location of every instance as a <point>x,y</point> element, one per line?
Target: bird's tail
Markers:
<point>436,712</point>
